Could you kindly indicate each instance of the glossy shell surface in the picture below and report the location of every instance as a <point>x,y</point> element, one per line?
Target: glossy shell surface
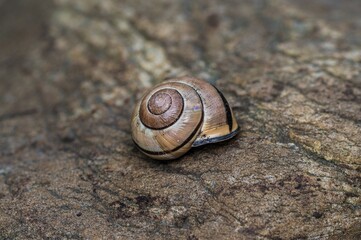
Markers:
<point>179,114</point>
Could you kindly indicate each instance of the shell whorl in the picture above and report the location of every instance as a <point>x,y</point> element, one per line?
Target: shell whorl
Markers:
<point>179,114</point>
<point>167,134</point>
<point>161,109</point>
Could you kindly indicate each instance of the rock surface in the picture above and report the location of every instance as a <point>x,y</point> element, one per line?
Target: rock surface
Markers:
<point>70,72</point>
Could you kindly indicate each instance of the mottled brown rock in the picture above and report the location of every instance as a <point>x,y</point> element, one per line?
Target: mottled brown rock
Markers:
<point>71,71</point>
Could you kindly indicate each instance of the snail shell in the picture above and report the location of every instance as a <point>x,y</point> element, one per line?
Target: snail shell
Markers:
<point>181,113</point>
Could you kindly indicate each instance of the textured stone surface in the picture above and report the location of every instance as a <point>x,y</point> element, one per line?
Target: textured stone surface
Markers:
<point>70,72</point>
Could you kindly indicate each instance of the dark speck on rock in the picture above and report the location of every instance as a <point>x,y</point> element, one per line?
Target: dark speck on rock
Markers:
<point>143,201</point>
<point>192,237</point>
<point>67,135</point>
<point>213,20</point>
<point>317,215</point>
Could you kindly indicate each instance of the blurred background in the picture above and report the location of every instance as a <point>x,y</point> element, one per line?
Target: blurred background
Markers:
<point>71,71</point>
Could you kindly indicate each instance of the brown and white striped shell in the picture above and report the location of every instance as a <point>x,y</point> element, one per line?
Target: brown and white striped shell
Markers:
<point>181,113</point>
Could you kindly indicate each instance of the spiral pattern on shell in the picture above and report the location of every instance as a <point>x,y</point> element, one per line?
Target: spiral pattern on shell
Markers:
<point>179,114</point>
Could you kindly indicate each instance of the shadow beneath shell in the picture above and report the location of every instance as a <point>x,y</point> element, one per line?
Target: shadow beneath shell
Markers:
<point>195,152</point>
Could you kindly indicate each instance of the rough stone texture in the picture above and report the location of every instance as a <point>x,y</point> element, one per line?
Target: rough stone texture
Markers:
<point>70,72</point>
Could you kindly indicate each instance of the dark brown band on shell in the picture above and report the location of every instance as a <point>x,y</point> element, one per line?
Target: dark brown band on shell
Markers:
<point>227,108</point>
<point>162,109</point>
<point>175,149</point>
